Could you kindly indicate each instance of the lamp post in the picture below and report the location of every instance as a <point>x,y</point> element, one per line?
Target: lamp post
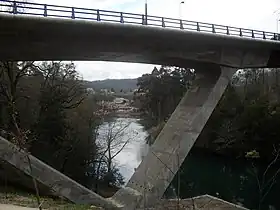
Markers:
<point>277,24</point>
<point>277,12</point>
<point>180,9</point>
<point>146,12</point>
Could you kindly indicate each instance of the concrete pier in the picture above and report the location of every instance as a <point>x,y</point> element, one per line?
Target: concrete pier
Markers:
<point>173,144</point>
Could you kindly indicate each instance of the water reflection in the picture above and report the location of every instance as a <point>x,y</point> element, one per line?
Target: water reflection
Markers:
<point>132,153</point>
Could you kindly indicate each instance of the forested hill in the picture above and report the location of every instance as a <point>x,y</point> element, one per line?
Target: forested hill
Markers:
<point>116,84</point>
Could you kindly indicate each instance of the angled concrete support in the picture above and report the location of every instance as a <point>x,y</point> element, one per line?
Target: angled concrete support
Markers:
<point>173,144</point>
<point>49,177</point>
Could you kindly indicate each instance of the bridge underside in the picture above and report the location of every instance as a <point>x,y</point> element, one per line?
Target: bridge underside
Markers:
<point>39,38</point>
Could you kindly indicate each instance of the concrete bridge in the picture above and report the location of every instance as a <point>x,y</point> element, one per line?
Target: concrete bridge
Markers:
<point>47,32</point>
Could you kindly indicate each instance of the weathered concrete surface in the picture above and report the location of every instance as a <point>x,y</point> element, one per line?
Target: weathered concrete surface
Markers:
<point>15,177</point>
<point>205,202</point>
<point>173,144</point>
<point>51,178</point>
<point>41,38</point>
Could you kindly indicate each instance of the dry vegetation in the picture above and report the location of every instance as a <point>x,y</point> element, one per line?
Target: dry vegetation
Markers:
<point>18,198</point>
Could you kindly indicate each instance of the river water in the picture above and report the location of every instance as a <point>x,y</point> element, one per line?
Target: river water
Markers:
<point>230,179</point>
<point>132,154</point>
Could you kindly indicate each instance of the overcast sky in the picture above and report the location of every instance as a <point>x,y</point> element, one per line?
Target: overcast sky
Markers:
<point>256,14</point>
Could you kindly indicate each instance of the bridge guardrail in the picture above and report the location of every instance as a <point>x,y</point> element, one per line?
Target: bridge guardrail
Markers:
<point>55,11</point>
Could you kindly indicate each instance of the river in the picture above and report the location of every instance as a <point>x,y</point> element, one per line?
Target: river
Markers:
<point>131,155</point>
<point>230,179</point>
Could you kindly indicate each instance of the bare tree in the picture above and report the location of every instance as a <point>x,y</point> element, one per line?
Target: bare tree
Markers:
<point>61,91</point>
<point>264,181</point>
<point>113,139</point>
<point>62,81</point>
<point>10,75</point>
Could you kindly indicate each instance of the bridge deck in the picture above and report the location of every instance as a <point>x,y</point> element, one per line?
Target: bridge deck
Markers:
<point>48,32</point>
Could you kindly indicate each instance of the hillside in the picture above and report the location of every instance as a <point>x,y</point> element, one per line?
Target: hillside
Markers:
<point>117,84</point>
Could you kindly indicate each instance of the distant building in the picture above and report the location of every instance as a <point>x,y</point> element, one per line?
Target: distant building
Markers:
<point>107,92</point>
<point>90,90</point>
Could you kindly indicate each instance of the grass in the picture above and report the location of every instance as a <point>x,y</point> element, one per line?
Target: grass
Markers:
<point>24,199</point>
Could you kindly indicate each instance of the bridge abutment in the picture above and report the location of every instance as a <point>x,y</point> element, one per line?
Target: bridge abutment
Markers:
<point>158,168</point>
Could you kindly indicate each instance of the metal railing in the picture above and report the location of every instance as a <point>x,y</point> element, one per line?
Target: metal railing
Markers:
<point>54,11</point>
